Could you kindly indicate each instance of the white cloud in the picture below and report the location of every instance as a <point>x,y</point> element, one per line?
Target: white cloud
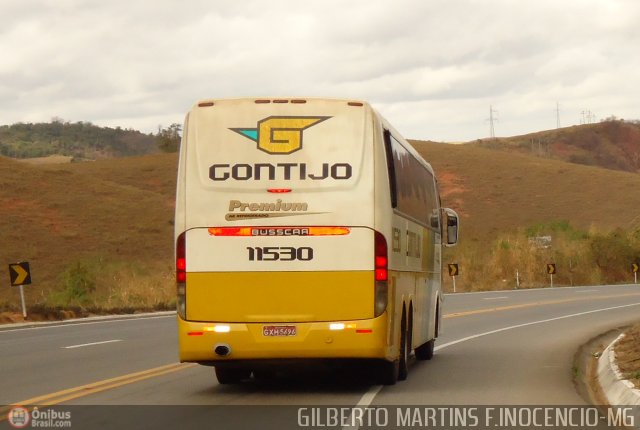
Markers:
<point>433,68</point>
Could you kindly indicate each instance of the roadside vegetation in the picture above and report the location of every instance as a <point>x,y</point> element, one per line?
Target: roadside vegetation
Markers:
<point>80,140</point>
<point>99,235</point>
<point>519,259</point>
<point>627,353</point>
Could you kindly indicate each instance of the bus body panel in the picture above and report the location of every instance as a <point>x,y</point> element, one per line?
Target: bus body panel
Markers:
<point>269,297</point>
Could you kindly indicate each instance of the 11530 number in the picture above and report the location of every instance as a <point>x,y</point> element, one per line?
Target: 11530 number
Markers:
<point>280,253</point>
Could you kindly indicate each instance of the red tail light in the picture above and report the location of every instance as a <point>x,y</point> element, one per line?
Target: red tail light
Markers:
<point>381,269</point>
<point>181,259</point>
<point>381,261</point>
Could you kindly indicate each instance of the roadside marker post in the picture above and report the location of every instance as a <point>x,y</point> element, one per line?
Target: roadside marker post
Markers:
<point>20,275</point>
<point>551,270</point>
<point>453,272</point>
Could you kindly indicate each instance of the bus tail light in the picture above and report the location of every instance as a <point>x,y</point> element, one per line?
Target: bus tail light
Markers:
<point>381,270</point>
<point>181,276</point>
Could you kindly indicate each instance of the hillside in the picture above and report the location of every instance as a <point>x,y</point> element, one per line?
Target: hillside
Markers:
<point>99,235</point>
<point>96,233</point>
<point>588,216</point>
<point>612,144</point>
<point>81,140</point>
<point>496,191</point>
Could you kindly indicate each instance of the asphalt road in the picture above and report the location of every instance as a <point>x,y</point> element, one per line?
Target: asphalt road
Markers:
<point>498,348</point>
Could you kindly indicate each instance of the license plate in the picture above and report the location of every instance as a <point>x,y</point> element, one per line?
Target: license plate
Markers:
<point>279,330</point>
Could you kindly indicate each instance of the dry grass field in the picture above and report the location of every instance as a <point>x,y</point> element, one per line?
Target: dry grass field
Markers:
<point>98,234</point>
<point>500,196</point>
<point>627,352</point>
<point>497,191</point>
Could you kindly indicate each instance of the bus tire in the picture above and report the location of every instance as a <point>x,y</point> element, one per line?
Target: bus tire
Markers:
<point>425,351</point>
<point>264,375</point>
<point>228,375</point>
<point>403,360</point>
<point>388,372</point>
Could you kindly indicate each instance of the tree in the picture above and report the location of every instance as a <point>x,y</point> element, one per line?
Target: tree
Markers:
<point>168,139</point>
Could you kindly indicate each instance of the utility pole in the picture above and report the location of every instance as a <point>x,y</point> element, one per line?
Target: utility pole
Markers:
<point>492,131</point>
<point>557,115</point>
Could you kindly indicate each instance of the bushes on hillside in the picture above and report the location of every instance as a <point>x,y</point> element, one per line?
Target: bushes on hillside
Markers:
<point>581,258</point>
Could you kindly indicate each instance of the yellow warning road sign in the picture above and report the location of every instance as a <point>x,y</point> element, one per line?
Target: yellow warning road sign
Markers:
<point>551,269</point>
<point>20,274</point>
<point>635,267</point>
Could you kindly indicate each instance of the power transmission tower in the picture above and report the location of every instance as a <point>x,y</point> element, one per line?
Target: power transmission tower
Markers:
<point>492,131</point>
<point>588,117</point>
<point>557,115</point>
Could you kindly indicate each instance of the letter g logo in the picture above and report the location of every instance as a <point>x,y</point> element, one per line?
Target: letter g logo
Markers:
<point>280,134</point>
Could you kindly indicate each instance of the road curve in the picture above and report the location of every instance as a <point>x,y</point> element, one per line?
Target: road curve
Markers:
<point>498,348</point>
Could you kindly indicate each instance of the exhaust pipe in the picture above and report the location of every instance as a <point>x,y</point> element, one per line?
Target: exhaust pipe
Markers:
<point>222,349</point>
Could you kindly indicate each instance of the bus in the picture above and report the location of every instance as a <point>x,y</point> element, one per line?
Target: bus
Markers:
<point>307,230</point>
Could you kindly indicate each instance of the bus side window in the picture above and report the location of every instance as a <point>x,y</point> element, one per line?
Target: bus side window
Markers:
<point>391,169</point>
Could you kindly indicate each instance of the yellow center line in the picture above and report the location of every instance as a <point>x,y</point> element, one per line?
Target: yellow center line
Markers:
<point>533,304</point>
<point>98,386</point>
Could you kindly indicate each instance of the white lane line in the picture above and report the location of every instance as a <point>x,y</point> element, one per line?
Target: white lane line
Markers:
<point>369,396</point>
<point>74,323</point>
<point>585,291</point>
<point>495,298</point>
<point>475,336</point>
<point>529,290</point>
<point>91,344</point>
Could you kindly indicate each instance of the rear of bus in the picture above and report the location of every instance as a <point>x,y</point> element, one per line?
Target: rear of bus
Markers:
<point>276,253</point>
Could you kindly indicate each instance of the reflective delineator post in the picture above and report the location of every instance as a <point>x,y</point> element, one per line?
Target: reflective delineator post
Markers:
<point>24,305</point>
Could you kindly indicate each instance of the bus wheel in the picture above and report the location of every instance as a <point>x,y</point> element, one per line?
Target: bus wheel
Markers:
<point>403,367</point>
<point>388,372</point>
<point>227,375</point>
<point>425,351</point>
<point>264,375</point>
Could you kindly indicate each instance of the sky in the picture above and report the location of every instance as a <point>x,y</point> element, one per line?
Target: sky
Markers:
<point>433,68</point>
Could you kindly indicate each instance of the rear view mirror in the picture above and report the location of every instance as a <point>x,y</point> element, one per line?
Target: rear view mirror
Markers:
<point>451,224</point>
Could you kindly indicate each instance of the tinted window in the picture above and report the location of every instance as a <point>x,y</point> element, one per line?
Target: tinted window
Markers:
<point>413,186</point>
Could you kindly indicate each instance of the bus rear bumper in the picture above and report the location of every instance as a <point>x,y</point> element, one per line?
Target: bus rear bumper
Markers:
<point>361,339</point>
